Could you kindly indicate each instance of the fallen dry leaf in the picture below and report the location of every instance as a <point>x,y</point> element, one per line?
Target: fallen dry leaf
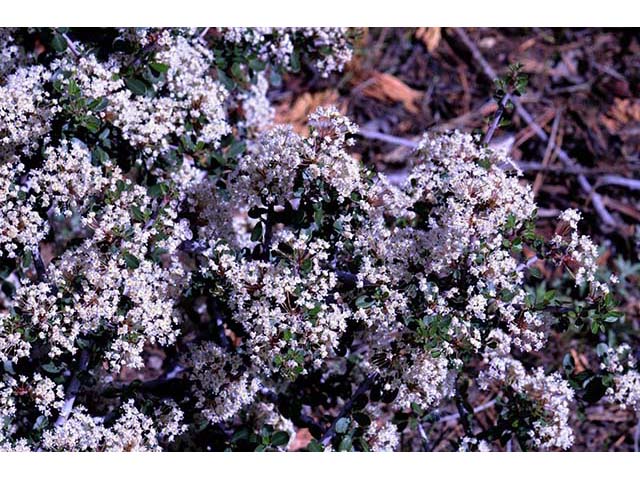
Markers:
<point>297,112</point>
<point>579,360</point>
<point>302,439</point>
<point>430,36</point>
<point>386,87</point>
<point>622,112</point>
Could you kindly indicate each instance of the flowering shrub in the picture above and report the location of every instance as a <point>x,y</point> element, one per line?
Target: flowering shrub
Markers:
<point>151,210</point>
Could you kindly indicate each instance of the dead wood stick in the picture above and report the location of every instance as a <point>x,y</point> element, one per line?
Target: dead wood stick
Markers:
<point>548,153</point>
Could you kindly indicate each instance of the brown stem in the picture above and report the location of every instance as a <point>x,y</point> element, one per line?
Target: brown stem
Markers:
<point>363,388</point>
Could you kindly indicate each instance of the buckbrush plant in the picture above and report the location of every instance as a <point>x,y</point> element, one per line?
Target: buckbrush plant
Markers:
<point>180,273</point>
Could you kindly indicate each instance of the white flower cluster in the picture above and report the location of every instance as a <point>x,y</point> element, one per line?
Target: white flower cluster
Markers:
<point>115,223</point>
<point>290,309</point>
<point>21,226</point>
<point>25,110</point>
<point>549,395</point>
<point>125,293</point>
<point>445,260</point>
<point>470,444</point>
<point>426,382</point>
<point>444,263</point>
<point>627,390</point>
<point>276,45</point>
<point>581,253</point>
<point>257,109</point>
<point>382,438</point>
<point>221,384</point>
<point>67,180</point>
<point>131,431</point>
<point>153,122</point>
<point>11,55</point>
<point>620,362</point>
<point>41,391</point>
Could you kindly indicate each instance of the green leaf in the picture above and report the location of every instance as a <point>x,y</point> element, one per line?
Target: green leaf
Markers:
<point>51,368</point>
<point>275,78</point>
<point>256,65</point>
<point>98,105</point>
<point>158,190</point>
<point>236,71</point>
<point>485,163</point>
<point>131,261</point>
<point>306,266</point>
<point>365,446</point>
<point>99,155</point>
<point>137,214</point>
<point>535,272</point>
<point>601,349</point>
<point>279,438</point>
<point>242,434</point>
<point>568,364</point>
<point>236,149</point>
<point>295,61</point>
<point>73,88</point>
<point>315,446</point>
<point>364,301</point>
<point>59,43</point>
<point>138,87</point>
<point>345,444</point>
<point>362,419</point>
<point>27,258</point>
<point>342,425</point>
<point>159,67</point>
<point>228,83</point>
<point>256,234</point>
<point>92,123</point>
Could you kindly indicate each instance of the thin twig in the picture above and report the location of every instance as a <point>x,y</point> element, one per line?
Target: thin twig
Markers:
<point>41,270</point>
<point>527,264</point>
<point>363,388</point>
<point>72,45</point>
<point>191,246</point>
<point>423,436</point>
<point>619,181</point>
<point>203,33</point>
<point>502,106</point>
<point>548,153</point>
<point>596,199</point>
<point>268,232</point>
<point>561,169</point>
<point>478,409</point>
<point>72,389</point>
<point>404,142</point>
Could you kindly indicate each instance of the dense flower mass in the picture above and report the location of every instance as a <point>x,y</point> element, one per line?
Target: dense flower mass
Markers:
<point>180,273</point>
